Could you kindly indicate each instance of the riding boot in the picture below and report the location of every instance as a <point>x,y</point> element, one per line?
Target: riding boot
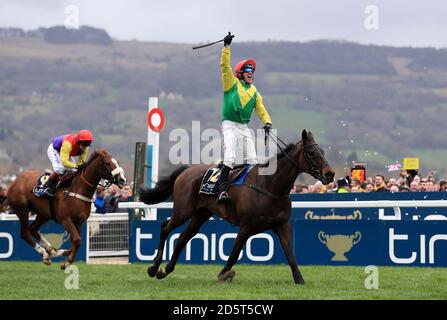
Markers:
<point>50,185</point>
<point>224,183</point>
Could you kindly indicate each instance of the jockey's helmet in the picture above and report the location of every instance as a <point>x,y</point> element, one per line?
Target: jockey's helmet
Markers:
<point>247,63</point>
<point>85,137</point>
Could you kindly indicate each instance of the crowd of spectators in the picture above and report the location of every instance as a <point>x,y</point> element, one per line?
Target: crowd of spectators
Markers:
<point>106,201</point>
<point>408,181</point>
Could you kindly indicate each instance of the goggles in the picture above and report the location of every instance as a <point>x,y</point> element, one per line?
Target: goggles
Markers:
<point>85,143</point>
<point>248,70</point>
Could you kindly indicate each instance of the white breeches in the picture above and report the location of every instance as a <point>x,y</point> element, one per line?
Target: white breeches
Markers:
<point>238,144</point>
<point>55,159</point>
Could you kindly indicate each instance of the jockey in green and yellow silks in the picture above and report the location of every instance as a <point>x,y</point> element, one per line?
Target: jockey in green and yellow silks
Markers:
<point>240,94</point>
<point>240,99</point>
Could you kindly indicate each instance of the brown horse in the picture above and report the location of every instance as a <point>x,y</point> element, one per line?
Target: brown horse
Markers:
<point>70,207</point>
<point>261,204</point>
<point>3,192</point>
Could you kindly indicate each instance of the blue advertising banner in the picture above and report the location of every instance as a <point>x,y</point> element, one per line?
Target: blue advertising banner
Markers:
<point>213,244</point>
<point>403,243</point>
<point>12,247</point>
<point>322,242</point>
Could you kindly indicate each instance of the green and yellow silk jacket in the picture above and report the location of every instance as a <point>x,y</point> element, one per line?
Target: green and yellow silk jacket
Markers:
<point>239,98</point>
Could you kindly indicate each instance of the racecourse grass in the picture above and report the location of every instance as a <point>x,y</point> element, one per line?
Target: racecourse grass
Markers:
<point>32,280</point>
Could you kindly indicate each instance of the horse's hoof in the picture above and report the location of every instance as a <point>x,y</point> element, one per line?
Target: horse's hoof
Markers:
<point>226,276</point>
<point>161,274</point>
<point>152,271</point>
<point>300,281</point>
<point>64,265</point>
<point>47,261</point>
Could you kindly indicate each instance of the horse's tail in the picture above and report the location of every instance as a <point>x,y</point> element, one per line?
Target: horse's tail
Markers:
<point>163,189</point>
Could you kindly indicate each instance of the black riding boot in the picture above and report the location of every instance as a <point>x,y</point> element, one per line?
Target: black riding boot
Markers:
<point>50,185</point>
<point>224,183</point>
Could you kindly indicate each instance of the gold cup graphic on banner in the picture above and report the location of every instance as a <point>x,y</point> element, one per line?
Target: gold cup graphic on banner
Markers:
<point>57,239</point>
<point>339,244</point>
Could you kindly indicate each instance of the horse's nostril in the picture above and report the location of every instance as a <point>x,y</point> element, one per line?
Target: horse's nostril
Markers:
<point>329,176</point>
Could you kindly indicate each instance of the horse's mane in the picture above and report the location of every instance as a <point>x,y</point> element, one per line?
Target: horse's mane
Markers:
<point>96,153</point>
<point>279,155</point>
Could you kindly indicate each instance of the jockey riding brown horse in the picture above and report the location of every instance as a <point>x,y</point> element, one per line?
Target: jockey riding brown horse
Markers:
<point>71,205</point>
<point>261,204</point>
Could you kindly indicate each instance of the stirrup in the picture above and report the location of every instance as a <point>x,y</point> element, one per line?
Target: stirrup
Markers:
<point>49,192</point>
<point>223,196</point>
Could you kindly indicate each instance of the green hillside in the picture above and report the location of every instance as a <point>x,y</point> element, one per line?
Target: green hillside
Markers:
<point>382,103</point>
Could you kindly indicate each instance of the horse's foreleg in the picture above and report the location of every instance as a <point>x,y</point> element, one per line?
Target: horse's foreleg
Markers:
<point>166,228</point>
<point>198,219</point>
<point>152,270</point>
<point>284,232</point>
<point>26,235</point>
<point>75,239</point>
<point>34,229</point>
<point>242,237</point>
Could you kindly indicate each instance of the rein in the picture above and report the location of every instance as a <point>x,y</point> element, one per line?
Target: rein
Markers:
<point>313,171</point>
<point>77,195</point>
<point>91,185</point>
<point>85,180</point>
<point>263,191</point>
<point>283,151</point>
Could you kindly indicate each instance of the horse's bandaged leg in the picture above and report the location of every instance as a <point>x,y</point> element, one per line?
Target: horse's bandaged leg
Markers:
<point>45,256</point>
<point>48,247</point>
<point>41,250</point>
<point>62,252</point>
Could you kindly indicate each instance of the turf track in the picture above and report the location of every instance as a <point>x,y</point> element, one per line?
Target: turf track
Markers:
<point>32,280</point>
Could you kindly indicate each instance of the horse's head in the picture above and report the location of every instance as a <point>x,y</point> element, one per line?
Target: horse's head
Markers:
<point>312,159</point>
<point>110,170</point>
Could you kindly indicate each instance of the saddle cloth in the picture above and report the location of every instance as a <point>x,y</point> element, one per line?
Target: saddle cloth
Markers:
<point>39,188</point>
<point>210,180</point>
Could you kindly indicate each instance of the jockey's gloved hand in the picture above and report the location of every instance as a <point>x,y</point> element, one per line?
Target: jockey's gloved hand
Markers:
<point>228,38</point>
<point>81,166</point>
<point>267,127</point>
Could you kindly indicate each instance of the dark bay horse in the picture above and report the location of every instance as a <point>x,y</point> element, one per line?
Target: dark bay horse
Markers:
<point>71,205</point>
<point>3,192</point>
<point>261,204</point>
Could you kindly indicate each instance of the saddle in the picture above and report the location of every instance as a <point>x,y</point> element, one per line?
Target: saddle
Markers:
<point>64,181</point>
<point>210,180</point>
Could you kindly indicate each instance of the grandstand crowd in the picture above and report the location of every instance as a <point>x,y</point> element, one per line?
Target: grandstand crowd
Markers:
<point>407,181</point>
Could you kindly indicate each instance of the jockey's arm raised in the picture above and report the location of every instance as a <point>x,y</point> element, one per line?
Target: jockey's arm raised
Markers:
<point>228,79</point>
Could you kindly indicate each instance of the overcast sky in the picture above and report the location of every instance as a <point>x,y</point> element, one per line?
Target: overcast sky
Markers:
<point>400,22</point>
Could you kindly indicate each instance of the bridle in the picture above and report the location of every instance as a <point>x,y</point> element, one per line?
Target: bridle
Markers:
<point>114,174</point>
<point>314,169</point>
